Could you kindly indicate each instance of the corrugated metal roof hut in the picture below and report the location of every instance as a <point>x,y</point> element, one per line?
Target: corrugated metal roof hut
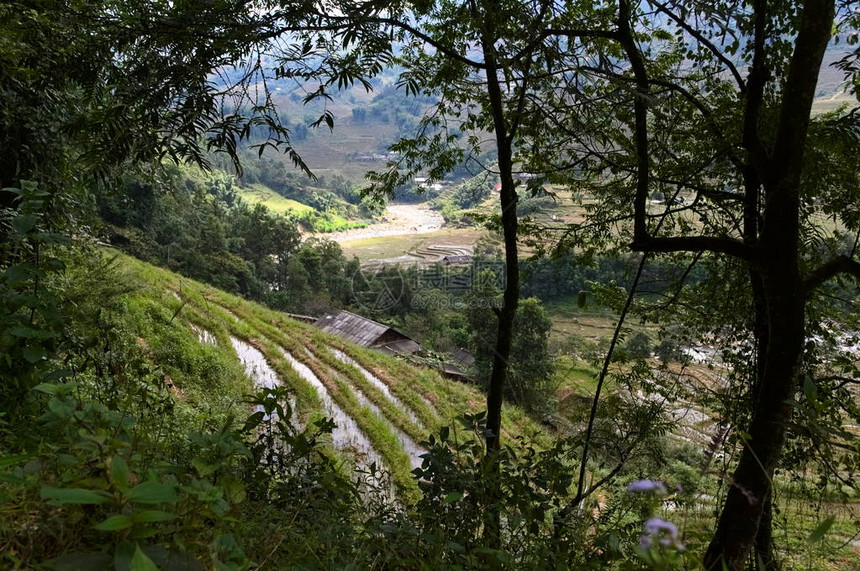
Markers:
<point>463,358</point>
<point>366,332</point>
<point>456,259</point>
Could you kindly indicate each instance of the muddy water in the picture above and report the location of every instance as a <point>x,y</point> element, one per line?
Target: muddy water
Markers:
<point>377,382</point>
<point>346,435</point>
<point>204,336</point>
<point>259,370</point>
<point>413,450</point>
<point>409,446</point>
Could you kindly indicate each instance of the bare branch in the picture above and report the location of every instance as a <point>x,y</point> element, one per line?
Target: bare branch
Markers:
<point>728,246</point>
<point>836,266</point>
<point>557,32</point>
<point>705,42</point>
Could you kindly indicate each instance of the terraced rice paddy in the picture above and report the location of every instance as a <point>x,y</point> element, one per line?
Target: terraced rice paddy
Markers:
<point>425,255</point>
<point>383,408</point>
<point>346,435</point>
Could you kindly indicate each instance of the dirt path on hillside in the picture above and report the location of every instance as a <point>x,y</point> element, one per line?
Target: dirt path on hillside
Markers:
<point>398,219</point>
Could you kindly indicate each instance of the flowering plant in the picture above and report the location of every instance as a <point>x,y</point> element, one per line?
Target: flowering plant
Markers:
<point>660,544</point>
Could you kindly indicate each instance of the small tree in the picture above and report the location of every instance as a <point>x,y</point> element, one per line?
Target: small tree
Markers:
<point>530,369</point>
<point>639,346</point>
<point>531,381</point>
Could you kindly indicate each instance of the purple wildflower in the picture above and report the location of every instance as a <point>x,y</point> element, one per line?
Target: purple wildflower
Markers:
<point>665,532</point>
<point>644,486</point>
<point>656,525</point>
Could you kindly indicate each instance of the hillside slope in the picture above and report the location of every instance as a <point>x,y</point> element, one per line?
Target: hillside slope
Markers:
<point>384,408</point>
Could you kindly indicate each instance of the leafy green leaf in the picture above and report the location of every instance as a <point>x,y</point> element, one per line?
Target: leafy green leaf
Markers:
<point>11,478</point>
<point>140,562</point>
<point>115,523</point>
<point>150,516</point>
<point>152,493</point>
<point>24,223</point>
<point>821,530</point>
<point>48,388</point>
<point>60,496</point>
<point>119,472</point>
<point>254,420</point>
<point>61,407</point>
<point>31,332</point>
<point>142,532</point>
<point>13,459</point>
<point>92,561</point>
<point>203,468</point>
<point>34,354</point>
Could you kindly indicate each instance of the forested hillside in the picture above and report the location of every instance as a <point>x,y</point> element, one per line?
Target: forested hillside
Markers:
<point>644,261</point>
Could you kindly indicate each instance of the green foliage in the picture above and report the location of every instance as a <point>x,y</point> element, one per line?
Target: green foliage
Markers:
<point>181,219</point>
<point>121,444</point>
<point>132,458</point>
<point>448,525</point>
<point>530,370</point>
<point>469,194</point>
<point>639,346</point>
<point>31,320</point>
<point>315,221</point>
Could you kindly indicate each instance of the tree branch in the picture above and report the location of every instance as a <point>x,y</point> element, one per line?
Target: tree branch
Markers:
<point>572,33</point>
<point>728,246</point>
<point>412,30</point>
<point>640,110</point>
<point>706,113</point>
<point>755,91</point>
<point>836,266</point>
<point>816,21</point>
<point>705,42</point>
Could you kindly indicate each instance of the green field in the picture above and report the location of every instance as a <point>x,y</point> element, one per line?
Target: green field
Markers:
<point>259,194</point>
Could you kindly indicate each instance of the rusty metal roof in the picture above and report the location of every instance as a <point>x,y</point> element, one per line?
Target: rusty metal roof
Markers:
<point>458,259</point>
<point>352,327</point>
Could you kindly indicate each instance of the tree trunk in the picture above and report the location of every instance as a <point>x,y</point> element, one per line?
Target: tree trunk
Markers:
<point>506,314</point>
<point>752,480</point>
<point>778,264</point>
<point>508,199</point>
<point>765,553</point>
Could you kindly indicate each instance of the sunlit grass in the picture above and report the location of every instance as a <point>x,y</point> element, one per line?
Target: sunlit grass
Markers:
<point>260,194</point>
